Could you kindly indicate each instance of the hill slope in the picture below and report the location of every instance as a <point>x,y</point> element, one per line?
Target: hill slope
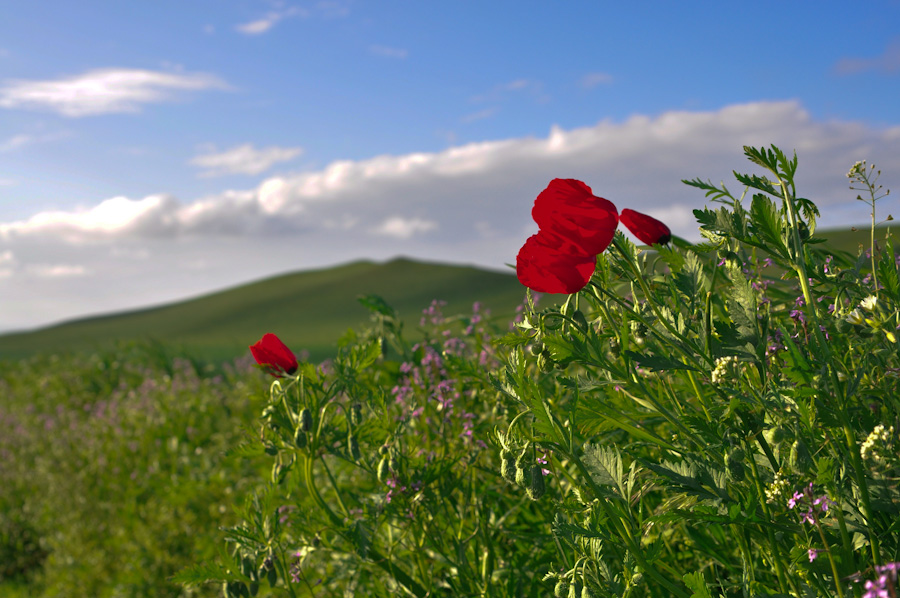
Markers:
<point>308,310</point>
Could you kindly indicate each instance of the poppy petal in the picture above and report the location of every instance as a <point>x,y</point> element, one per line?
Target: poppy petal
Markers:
<point>548,264</point>
<point>569,208</point>
<point>646,228</point>
<point>269,351</point>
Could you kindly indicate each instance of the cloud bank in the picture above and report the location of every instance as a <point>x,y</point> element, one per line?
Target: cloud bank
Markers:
<point>466,204</point>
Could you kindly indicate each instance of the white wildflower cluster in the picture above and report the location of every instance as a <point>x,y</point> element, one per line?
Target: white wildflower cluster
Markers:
<point>860,166</point>
<point>878,444</point>
<point>726,367</point>
<point>778,489</point>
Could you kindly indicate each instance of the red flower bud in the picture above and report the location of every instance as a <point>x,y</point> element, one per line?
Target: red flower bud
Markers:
<point>646,228</point>
<point>569,208</point>
<point>270,352</point>
<point>548,264</point>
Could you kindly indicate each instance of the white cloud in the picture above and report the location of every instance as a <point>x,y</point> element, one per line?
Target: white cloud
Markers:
<point>7,258</point>
<point>102,91</point>
<point>888,62</point>
<point>388,52</point>
<point>19,141</point>
<point>637,163</point>
<point>592,80</point>
<point>56,270</point>
<point>466,204</point>
<point>404,228</point>
<point>479,115</point>
<point>243,159</point>
<point>265,23</point>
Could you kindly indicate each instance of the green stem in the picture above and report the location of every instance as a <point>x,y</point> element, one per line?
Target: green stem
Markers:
<point>384,563</point>
<point>834,571</point>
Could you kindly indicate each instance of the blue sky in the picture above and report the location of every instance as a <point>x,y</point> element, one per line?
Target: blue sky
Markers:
<point>155,150</point>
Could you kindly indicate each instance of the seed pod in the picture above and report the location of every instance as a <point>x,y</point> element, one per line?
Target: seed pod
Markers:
<point>271,450</point>
<point>247,567</point>
<point>276,473</point>
<point>272,577</point>
<point>487,565</point>
<point>522,476</point>
<point>561,589</point>
<point>580,321</point>
<point>226,590</point>
<point>383,469</point>
<point>356,414</point>
<point>800,459</point>
<point>254,588</point>
<point>523,472</point>
<point>508,467</point>
<point>575,589</point>
<point>382,450</point>
<point>774,436</point>
<point>614,347</point>
<point>300,439</point>
<point>536,489</point>
<point>268,412</point>
<point>394,463</point>
<point>734,461</point>
<point>537,348</point>
<point>587,592</point>
<point>354,447</point>
<point>306,420</point>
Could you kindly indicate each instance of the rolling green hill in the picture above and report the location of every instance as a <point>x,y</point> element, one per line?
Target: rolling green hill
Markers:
<point>308,310</point>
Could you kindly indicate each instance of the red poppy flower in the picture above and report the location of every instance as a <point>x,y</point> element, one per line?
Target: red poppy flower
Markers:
<point>569,209</point>
<point>646,228</point>
<point>270,352</point>
<point>548,264</point>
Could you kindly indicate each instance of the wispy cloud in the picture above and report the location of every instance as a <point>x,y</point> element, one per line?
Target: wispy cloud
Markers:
<point>56,270</point>
<point>888,62</point>
<point>592,80</point>
<point>19,141</point>
<point>103,91</point>
<point>479,115</point>
<point>271,18</point>
<point>243,159</point>
<point>503,91</point>
<point>4,182</point>
<point>388,52</point>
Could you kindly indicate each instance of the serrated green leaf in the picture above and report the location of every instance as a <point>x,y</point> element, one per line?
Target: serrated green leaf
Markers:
<point>697,584</point>
<point>657,363</point>
<point>200,574</point>
<point>768,224</point>
<point>377,304</point>
<point>604,464</point>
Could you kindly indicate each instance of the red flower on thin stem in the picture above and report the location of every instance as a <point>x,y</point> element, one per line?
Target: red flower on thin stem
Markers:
<point>646,228</point>
<point>549,264</point>
<point>274,355</point>
<point>569,209</point>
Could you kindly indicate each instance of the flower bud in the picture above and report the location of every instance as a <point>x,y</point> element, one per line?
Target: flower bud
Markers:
<point>774,436</point>
<point>575,589</point>
<point>614,347</point>
<point>508,466</point>
<point>383,469</point>
<point>800,459</point>
<point>587,592</point>
<point>300,439</point>
<point>523,472</point>
<point>536,348</point>
<point>354,447</point>
<point>356,414</point>
<point>306,420</point>
<point>561,589</point>
<point>734,461</point>
<point>536,489</point>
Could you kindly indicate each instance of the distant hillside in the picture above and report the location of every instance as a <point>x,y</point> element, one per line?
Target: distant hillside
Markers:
<point>309,310</point>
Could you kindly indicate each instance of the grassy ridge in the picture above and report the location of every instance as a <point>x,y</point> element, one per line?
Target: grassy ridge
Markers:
<point>308,310</point>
